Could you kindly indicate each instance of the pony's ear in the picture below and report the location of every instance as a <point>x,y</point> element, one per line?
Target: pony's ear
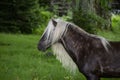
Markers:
<point>54,22</point>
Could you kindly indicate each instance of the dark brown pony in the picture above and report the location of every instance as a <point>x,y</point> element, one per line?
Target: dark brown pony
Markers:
<point>94,56</point>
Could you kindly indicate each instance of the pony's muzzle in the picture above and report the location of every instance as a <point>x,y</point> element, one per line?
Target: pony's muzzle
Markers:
<point>40,47</point>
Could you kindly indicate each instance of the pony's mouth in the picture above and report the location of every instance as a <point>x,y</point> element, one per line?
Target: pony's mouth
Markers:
<point>41,48</point>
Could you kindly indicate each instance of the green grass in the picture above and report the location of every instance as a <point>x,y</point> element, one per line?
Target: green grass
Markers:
<point>109,35</point>
<point>20,60</point>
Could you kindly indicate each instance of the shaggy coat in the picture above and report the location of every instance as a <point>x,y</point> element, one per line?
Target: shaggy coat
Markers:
<point>93,55</point>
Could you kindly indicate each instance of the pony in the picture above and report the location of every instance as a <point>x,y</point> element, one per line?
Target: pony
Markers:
<point>92,55</point>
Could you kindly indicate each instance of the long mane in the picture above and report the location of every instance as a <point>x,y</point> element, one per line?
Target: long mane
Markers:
<point>58,48</point>
<point>57,31</point>
<point>60,30</point>
<point>62,55</point>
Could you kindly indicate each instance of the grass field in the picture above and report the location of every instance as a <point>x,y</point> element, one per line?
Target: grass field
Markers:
<point>20,60</point>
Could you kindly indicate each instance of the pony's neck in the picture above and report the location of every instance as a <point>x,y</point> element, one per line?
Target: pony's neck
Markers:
<point>78,43</point>
<point>73,42</point>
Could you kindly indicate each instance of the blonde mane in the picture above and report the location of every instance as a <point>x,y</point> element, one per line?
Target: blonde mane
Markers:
<point>62,55</point>
<point>58,49</point>
<point>60,30</point>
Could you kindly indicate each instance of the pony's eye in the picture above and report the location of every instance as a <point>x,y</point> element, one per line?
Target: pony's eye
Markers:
<point>44,38</point>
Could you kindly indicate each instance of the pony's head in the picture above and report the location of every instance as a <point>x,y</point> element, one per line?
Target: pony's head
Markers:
<point>52,34</point>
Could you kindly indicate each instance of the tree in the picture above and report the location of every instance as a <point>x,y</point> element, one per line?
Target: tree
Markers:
<point>19,15</point>
<point>7,19</point>
<point>91,14</point>
<point>27,15</point>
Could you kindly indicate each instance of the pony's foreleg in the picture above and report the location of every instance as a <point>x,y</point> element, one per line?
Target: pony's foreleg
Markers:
<point>92,77</point>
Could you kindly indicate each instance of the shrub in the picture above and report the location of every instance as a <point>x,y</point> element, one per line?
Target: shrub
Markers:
<point>116,23</point>
<point>45,16</point>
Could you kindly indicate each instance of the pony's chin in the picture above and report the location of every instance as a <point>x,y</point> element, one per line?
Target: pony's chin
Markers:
<point>41,49</point>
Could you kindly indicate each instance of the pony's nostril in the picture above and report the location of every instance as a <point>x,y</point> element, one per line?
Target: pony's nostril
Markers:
<point>40,47</point>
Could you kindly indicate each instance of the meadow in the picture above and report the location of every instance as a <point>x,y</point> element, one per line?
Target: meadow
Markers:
<point>20,59</point>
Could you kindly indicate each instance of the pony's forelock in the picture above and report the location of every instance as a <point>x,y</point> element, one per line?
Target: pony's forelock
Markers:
<point>60,30</point>
<point>48,29</point>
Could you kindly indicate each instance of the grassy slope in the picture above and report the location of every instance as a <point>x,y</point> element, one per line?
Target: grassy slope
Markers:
<point>20,60</point>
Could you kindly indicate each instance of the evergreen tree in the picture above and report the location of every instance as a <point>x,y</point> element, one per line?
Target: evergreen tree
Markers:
<point>19,15</point>
<point>27,15</point>
<point>7,19</point>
